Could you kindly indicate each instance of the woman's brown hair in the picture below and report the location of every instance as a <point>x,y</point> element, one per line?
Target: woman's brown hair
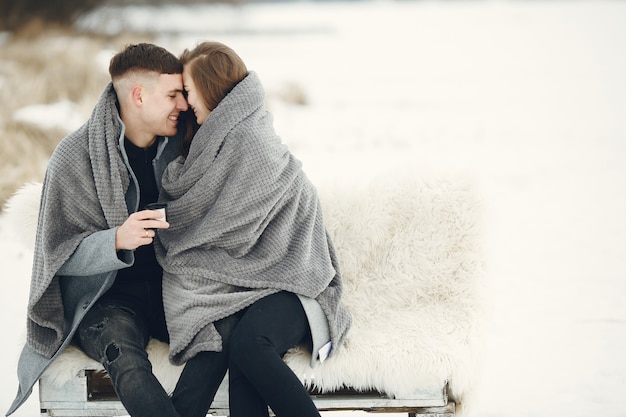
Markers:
<point>216,69</point>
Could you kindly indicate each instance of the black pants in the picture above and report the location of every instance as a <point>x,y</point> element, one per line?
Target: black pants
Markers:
<point>116,331</point>
<point>258,376</point>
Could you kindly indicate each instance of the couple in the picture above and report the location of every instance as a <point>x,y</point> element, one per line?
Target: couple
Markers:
<point>242,270</point>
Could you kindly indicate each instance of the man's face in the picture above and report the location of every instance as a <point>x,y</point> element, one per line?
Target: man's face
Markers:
<point>163,101</point>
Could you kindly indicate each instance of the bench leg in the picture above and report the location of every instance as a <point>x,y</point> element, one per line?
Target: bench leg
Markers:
<point>446,411</point>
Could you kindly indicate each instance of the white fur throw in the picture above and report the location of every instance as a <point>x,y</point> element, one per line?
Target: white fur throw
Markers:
<point>412,268</point>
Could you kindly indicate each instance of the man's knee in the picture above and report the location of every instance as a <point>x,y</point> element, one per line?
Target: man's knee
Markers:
<point>115,339</point>
<point>112,352</point>
<point>121,360</point>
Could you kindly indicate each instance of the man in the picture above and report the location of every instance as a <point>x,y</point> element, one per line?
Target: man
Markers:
<point>95,278</point>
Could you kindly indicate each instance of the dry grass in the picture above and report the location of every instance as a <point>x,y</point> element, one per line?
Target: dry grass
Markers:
<point>53,66</point>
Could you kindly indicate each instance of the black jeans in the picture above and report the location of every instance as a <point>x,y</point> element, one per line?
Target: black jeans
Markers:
<point>257,374</point>
<point>116,331</point>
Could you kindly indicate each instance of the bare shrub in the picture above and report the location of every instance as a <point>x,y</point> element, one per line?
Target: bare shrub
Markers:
<point>26,14</point>
<point>51,68</point>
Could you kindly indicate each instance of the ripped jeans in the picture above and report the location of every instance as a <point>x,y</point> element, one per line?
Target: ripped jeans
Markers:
<point>116,331</point>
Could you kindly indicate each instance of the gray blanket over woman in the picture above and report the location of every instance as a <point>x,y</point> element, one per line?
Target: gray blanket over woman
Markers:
<point>245,222</point>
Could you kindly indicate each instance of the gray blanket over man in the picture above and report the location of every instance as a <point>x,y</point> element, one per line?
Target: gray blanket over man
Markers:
<point>86,195</point>
<point>245,222</point>
<point>83,192</point>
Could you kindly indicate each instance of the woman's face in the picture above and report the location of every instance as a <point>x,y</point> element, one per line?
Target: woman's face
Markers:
<point>193,98</point>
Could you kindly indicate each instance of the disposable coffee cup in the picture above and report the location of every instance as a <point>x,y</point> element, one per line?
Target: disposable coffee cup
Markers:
<point>160,207</point>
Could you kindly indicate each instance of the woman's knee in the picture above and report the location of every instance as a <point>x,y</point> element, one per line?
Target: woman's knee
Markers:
<point>271,325</point>
<point>246,341</point>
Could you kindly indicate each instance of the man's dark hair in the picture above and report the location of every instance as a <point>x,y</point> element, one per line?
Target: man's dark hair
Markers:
<point>144,57</point>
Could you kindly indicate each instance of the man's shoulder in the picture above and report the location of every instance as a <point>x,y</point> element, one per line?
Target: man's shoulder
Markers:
<point>72,147</point>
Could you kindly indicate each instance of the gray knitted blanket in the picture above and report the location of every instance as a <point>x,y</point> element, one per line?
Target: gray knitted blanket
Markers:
<point>83,192</point>
<point>245,222</point>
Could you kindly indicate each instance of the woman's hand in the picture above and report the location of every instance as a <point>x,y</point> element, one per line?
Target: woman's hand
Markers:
<point>138,230</point>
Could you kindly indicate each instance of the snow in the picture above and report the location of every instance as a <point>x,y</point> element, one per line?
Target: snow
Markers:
<point>62,114</point>
<point>524,98</point>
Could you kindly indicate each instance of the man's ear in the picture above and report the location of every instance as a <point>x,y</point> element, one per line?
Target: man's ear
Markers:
<point>136,94</point>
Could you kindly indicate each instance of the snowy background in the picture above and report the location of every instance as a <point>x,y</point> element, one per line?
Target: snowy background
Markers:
<point>525,99</point>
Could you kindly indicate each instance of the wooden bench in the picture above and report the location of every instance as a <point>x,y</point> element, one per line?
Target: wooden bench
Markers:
<point>91,394</point>
<point>413,274</point>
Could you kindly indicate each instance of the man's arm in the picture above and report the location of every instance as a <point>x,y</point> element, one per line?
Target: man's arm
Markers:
<point>96,254</point>
<point>112,249</point>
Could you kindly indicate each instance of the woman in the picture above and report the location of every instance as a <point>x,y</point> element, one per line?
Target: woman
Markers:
<point>246,239</point>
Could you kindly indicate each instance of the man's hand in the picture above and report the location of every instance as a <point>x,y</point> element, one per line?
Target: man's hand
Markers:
<point>137,230</point>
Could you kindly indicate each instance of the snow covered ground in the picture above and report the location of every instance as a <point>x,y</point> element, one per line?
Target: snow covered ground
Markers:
<point>527,99</point>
